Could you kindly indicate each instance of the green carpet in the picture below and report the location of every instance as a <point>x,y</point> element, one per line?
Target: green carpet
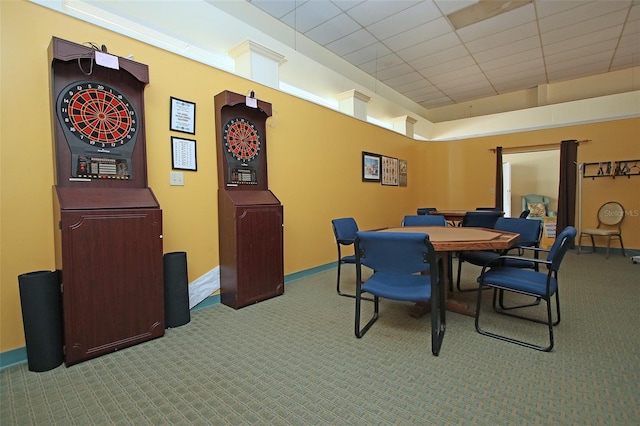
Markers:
<point>294,360</point>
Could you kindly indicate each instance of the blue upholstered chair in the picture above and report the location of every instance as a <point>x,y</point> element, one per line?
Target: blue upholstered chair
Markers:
<point>399,260</point>
<point>543,285</point>
<point>530,233</point>
<point>345,230</point>
<point>426,210</point>
<point>481,218</point>
<point>424,220</point>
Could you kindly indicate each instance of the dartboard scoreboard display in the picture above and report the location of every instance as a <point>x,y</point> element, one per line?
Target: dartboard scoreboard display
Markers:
<point>101,127</point>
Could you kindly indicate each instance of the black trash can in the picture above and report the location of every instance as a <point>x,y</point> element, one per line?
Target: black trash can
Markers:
<point>41,303</point>
<point>176,290</point>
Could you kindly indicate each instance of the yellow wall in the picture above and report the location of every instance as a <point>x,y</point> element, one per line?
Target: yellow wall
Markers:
<point>314,159</point>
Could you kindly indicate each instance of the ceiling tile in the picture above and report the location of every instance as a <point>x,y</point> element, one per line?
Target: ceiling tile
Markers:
<point>597,11</point>
<point>368,54</point>
<point>419,34</point>
<point>505,21</point>
<point>442,57</point>
<point>370,11</point>
<point>311,14</point>
<point>355,41</point>
<point>337,27</point>
<point>509,49</point>
<point>404,20</point>
<point>276,8</point>
<point>426,48</point>
<point>503,38</point>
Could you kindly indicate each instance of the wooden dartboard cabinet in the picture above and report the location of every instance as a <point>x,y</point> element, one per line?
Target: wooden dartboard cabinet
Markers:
<point>250,216</point>
<point>108,222</point>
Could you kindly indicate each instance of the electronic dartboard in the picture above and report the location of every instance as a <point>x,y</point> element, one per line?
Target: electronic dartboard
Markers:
<point>242,145</point>
<point>100,126</point>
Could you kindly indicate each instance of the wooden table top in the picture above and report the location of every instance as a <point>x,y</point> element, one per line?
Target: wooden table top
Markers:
<point>447,238</point>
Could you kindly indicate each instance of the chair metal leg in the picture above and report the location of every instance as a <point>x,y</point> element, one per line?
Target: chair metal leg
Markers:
<point>549,323</point>
<point>438,313</point>
<point>506,308</point>
<point>376,305</point>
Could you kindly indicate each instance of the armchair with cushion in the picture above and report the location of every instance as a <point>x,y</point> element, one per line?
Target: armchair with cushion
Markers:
<point>538,206</point>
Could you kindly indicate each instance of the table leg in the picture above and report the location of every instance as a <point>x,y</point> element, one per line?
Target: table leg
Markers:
<point>420,309</point>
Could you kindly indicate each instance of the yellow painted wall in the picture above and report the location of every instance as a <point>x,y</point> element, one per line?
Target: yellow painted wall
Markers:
<point>314,159</point>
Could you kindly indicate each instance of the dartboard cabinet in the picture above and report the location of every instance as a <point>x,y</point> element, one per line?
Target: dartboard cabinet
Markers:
<point>108,222</point>
<point>250,216</point>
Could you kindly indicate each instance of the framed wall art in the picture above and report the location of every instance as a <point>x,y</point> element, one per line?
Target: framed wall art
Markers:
<point>370,167</point>
<point>389,171</point>
<point>183,116</point>
<point>402,172</point>
<point>183,154</point>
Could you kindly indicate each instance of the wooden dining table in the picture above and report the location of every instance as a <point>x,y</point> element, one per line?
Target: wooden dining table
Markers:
<point>447,240</point>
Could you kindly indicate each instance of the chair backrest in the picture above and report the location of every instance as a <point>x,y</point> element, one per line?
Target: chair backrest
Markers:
<point>345,230</point>
<point>611,214</point>
<point>560,246</point>
<point>535,198</point>
<point>525,214</point>
<point>424,220</point>
<point>481,218</point>
<point>530,230</point>
<point>396,253</point>
<point>426,210</point>
<point>488,208</point>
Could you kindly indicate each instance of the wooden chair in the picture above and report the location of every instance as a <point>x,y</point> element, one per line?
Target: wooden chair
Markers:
<point>610,217</point>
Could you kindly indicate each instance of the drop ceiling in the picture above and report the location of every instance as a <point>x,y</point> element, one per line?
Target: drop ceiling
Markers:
<point>413,47</point>
<point>410,46</point>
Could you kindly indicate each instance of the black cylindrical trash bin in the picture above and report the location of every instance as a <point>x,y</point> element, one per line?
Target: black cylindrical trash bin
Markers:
<point>42,317</point>
<point>176,290</point>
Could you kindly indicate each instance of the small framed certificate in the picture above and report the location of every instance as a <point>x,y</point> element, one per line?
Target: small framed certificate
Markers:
<point>183,154</point>
<point>183,116</point>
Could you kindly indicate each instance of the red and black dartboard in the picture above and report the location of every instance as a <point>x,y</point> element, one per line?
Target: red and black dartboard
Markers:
<point>241,139</point>
<point>97,114</point>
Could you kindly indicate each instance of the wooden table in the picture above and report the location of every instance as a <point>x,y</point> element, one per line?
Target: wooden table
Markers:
<point>451,216</point>
<point>447,239</point>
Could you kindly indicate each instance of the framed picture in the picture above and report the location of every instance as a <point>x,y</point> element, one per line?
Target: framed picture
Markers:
<point>370,167</point>
<point>389,171</point>
<point>183,116</point>
<point>183,154</point>
<point>402,172</point>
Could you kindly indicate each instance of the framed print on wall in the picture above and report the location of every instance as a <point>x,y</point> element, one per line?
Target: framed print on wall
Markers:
<point>370,167</point>
<point>183,154</point>
<point>182,116</point>
<point>402,172</point>
<point>389,171</point>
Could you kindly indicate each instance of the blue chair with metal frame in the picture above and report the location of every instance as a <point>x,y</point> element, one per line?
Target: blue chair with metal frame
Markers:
<point>530,234</point>
<point>481,218</point>
<point>345,230</point>
<point>424,220</point>
<point>399,261</point>
<point>543,285</point>
<point>426,210</point>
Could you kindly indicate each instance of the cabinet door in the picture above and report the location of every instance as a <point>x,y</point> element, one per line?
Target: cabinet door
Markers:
<point>112,280</point>
<point>260,252</point>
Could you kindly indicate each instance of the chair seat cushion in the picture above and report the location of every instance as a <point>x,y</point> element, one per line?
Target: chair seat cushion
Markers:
<point>603,232</point>
<point>349,259</point>
<point>413,288</point>
<point>523,280</point>
<point>481,258</point>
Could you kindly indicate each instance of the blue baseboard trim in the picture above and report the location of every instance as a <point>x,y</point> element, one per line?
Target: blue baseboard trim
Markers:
<point>19,356</point>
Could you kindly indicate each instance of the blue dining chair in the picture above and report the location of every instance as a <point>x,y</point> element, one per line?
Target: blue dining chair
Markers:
<point>426,210</point>
<point>481,218</point>
<point>344,230</point>
<point>530,233</point>
<point>399,260</point>
<point>543,285</point>
<point>424,220</point>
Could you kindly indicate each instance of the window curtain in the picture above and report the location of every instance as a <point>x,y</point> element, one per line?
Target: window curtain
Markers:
<point>499,184</point>
<point>567,186</point>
